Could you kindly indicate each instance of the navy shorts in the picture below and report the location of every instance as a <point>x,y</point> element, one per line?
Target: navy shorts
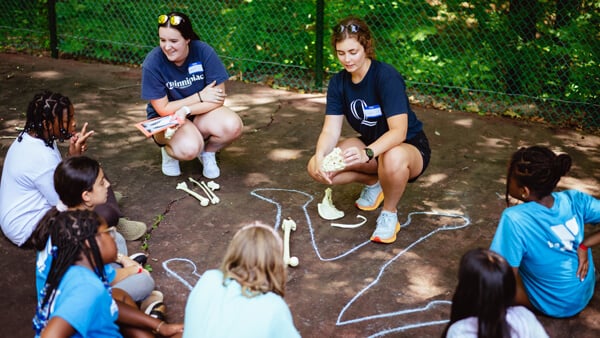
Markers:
<point>421,142</point>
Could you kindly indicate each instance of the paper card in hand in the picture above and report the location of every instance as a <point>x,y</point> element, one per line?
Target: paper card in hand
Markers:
<point>157,124</point>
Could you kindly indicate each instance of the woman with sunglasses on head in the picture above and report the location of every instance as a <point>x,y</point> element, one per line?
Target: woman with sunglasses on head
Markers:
<point>391,149</point>
<point>184,76</point>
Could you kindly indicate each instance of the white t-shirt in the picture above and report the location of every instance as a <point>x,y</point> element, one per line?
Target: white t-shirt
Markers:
<point>27,186</point>
<point>523,323</point>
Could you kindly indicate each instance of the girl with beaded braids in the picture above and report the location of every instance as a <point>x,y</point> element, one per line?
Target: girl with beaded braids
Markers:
<point>26,188</point>
<point>75,299</point>
<point>543,237</point>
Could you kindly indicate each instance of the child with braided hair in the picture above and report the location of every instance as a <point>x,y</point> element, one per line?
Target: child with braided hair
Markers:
<point>27,188</point>
<point>81,184</point>
<point>75,299</point>
<point>543,237</point>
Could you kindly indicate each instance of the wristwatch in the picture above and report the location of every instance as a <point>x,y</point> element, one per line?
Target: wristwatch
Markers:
<point>369,153</point>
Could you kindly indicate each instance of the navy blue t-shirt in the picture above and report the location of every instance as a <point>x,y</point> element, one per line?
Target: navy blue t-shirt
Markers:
<point>368,104</point>
<point>162,77</point>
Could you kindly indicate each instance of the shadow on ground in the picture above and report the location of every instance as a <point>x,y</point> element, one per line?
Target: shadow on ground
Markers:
<point>344,286</point>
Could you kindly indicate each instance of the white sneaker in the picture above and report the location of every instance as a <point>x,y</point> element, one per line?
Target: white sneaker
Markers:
<point>170,166</point>
<point>209,163</point>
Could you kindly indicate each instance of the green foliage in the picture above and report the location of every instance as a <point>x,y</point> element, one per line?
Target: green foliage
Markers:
<point>545,51</point>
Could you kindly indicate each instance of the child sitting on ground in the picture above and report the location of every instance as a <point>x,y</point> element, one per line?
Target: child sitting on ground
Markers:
<point>244,298</point>
<point>26,189</point>
<point>481,305</point>
<point>75,299</point>
<point>543,237</point>
<point>81,185</point>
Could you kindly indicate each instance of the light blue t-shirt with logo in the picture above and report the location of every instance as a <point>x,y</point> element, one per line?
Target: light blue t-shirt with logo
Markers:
<point>542,242</point>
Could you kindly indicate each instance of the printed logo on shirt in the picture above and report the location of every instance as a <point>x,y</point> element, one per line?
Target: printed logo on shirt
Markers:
<point>196,67</point>
<point>184,83</point>
<point>361,111</point>
<point>566,233</point>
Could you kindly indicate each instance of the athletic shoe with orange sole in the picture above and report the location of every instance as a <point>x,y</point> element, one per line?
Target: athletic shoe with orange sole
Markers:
<point>387,228</point>
<point>370,197</point>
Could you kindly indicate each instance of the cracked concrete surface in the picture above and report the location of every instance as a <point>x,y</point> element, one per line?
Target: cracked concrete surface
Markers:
<point>263,178</point>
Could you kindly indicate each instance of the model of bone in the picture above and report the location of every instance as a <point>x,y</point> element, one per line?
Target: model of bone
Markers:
<point>287,226</point>
<point>333,161</point>
<point>213,185</point>
<point>183,186</point>
<point>326,208</point>
<point>170,132</point>
<point>214,199</point>
<point>351,226</point>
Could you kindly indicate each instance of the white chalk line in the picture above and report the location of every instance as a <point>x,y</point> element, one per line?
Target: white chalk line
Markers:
<point>175,275</point>
<point>339,321</point>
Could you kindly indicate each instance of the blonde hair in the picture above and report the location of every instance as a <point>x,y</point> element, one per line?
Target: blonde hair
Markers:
<point>254,259</point>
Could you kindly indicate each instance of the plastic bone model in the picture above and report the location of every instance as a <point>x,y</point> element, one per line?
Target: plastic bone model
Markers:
<point>351,226</point>
<point>333,161</point>
<point>183,186</point>
<point>287,226</point>
<point>326,208</point>
<point>214,199</point>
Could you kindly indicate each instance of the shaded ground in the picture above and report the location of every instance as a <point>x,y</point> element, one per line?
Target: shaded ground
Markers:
<point>344,286</point>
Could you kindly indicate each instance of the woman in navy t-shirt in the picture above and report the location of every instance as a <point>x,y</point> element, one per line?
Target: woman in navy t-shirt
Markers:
<point>184,76</point>
<point>391,148</point>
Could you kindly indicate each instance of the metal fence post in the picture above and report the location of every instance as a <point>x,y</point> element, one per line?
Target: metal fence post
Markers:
<point>319,45</point>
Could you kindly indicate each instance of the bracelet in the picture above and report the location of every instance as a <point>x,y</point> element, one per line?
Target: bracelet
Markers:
<point>583,247</point>
<point>157,330</point>
<point>187,109</point>
<point>200,97</point>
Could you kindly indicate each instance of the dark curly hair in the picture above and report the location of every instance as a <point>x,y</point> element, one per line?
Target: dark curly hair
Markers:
<point>537,168</point>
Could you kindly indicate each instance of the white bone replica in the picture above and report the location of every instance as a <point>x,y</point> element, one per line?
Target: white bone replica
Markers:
<point>351,226</point>
<point>183,186</point>
<point>170,132</point>
<point>211,195</point>
<point>326,208</point>
<point>333,161</point>
<point>287,226</point>
<point>213,185</point>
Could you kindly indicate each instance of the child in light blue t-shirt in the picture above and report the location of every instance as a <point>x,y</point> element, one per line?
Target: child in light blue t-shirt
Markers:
<point>543,238</point>
<point>244,298</point>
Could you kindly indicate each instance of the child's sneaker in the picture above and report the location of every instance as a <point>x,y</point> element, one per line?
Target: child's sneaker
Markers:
<point>170,166</point>
<point>209,163</point>
<point>370,197</point>
<point>387,228</point>
<point>153,305</point>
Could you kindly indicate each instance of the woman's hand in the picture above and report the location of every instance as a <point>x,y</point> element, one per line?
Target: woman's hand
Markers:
<point>582,268</point>
<point>77,143</point>
<point>212,93</point>
<point>354,155</point>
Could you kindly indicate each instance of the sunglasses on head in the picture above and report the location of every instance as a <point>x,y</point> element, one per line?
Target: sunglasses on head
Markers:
<point>174,20</point>
<point>352,28</point>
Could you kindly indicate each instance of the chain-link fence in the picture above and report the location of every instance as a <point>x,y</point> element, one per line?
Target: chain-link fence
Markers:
<point>535,59</point>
